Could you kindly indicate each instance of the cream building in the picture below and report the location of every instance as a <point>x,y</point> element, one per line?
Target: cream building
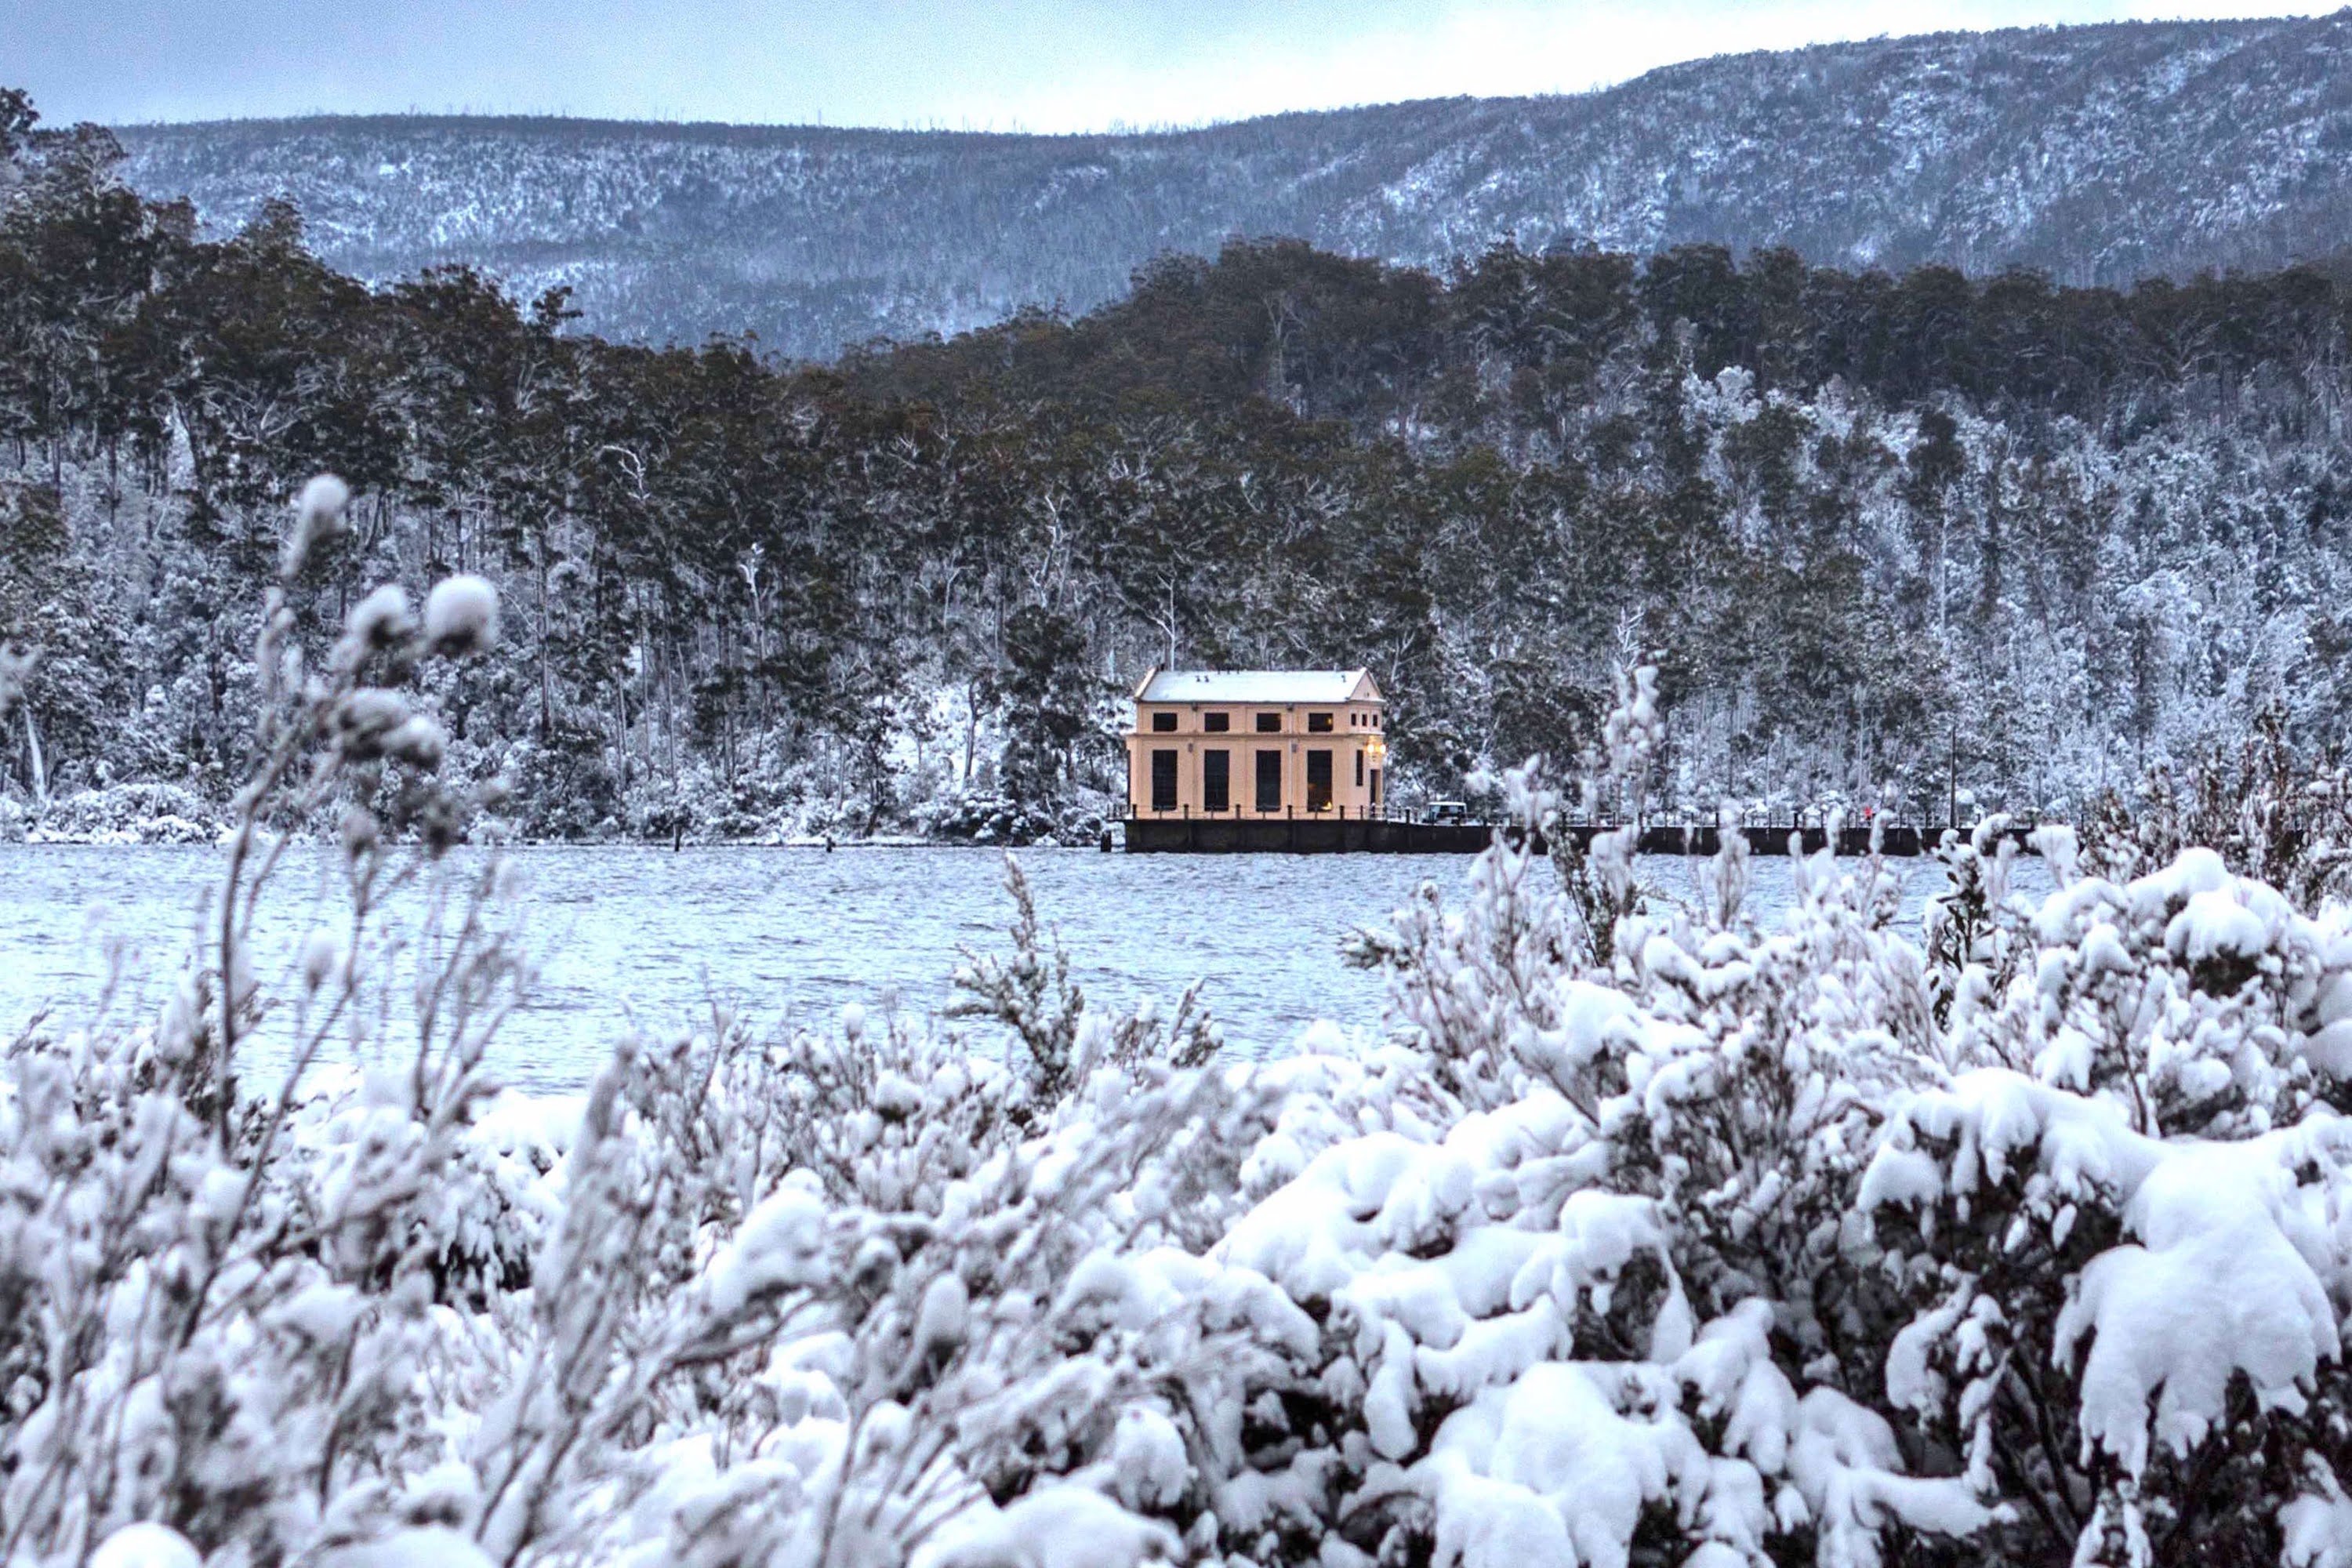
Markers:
<point>1257,742</point>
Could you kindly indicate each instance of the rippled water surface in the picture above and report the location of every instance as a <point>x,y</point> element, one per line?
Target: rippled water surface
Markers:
<point>649,934</point>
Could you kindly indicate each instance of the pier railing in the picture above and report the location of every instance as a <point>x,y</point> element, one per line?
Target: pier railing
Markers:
<point>1782,819</point>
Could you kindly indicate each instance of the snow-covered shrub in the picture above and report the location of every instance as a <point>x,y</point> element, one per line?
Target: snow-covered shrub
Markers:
<point>2127,1198</point>
<point>1031,992</point>
<point>1606,1309</point>
<point>726,1347</point>
<point>978,817</point>
<point>2270,810</point>
<point>126,813</point>
<point>1720,1244</point>
<point>1476,985</point>
<point>221,1303</point>
<point>1597,873</point>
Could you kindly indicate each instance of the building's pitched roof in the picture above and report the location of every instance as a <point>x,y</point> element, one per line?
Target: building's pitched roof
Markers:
<point>1258,686</point>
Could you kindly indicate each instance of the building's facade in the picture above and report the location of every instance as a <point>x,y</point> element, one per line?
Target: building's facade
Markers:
<point>1257,742</point>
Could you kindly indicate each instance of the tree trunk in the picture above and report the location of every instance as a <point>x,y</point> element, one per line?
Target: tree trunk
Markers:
<point>546,691</point>
<point>971,729</point>
<point>34,764</point>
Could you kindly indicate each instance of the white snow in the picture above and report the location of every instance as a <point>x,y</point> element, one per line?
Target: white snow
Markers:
<point>1060,1527</point>
<point>318,516</point>
<point>461,613</point>
<point>780,1244</point>
<point>2225,1279</point>
<point>379,619</point>
<point>146,1546</point>
<point>1272,687</point>
<point>322,502</point>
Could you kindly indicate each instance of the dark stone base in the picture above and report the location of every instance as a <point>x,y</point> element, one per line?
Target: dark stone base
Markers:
<point>1332,835</point>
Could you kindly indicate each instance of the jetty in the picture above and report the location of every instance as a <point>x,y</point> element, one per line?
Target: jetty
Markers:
<point>1328,834</point>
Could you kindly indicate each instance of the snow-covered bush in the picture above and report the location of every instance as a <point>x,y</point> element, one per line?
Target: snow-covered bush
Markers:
<point>1031,994</point>
<point>988,817</point>
<point>1808,1244</point>
<point>1608,1309</point>
<point>221,1303</point>
<point>2068,1255</point>
<point>125,814</point>
<point>2271,810</point>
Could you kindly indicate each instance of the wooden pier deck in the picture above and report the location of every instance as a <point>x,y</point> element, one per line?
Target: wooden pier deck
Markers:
<point>1390,835</point>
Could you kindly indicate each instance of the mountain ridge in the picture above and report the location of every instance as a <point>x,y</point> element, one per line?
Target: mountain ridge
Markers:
<point>2098,153</point>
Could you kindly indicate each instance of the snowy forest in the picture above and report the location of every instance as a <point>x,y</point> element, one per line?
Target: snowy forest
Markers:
<point>1887,538</point>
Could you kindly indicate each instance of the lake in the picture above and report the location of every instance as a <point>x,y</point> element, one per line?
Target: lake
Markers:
<point>624,933</point>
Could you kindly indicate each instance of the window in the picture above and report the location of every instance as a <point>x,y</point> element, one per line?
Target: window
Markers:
<point>1319,723</point>
<point>1376,786</point>
<point>1163,722</point>
<point>1216,778</point>
<point>1216,723</point>
<point>1269,723</point>
<point>1269,781</point>
<point>1359,770</point>
<point>1318,780</point>
<point>1164,780</point>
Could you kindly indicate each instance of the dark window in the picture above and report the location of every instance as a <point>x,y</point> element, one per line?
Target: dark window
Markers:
<point>1359,770</point>
<point>1216,778</point>
<point>1269,781</point>
<point>1216,723</point>
<point>1319,723</point>
<point>1163,722</point>
<point>1376,786</point>
<point>1269,723</point>
<point>1319,780</point>
<point>1163,781</point>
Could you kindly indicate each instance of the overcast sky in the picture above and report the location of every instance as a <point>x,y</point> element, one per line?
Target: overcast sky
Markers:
<point>976,64</point>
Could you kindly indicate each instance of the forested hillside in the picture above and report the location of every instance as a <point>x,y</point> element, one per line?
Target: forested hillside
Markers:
<point>2099,154</point>
<point>1868,521</point>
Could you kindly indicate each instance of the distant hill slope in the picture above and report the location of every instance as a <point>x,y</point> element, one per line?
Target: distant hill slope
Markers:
<point>2098,154</point>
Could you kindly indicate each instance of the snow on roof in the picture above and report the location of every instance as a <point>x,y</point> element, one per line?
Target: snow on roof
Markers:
<point>1267,686</point>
